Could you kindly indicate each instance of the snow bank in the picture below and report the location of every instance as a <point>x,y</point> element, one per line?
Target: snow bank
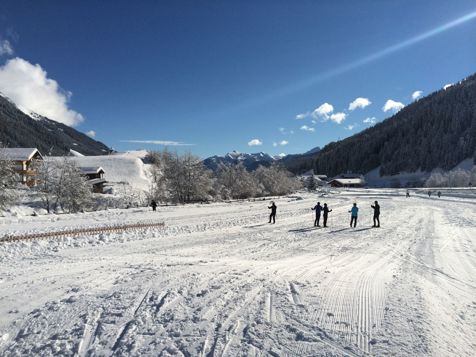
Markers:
<point>119,168</point>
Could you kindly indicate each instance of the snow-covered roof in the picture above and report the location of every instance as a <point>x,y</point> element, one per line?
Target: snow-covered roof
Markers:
<point>18,154</point>
<point>91,169</point>
<point>350,181</point>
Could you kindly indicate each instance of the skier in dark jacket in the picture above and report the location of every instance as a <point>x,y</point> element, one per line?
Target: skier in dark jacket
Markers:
<point>325,211</point>
<point>318,209</point>
<point>153,204</point>
<point>273,212</point>
<point>376,208</point>
<point>354,212</point>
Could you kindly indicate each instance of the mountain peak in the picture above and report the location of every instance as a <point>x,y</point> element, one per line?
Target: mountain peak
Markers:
<point>250,161</point>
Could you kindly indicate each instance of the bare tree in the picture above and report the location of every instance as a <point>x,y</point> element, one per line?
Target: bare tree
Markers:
<point>472,179</point>
<point>236,182</point>
<point>74,192</point>
<point>276,180</point>
<point>61,184</point>
<point>179,178</point>
<point>8,180</point>
<point>45,182</point>
<point>458,178</point>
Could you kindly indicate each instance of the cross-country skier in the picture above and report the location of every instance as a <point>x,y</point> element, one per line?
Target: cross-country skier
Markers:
<point>318,209</point>
<point>325,211</point>
<point>439,194</point>
<point>376,208</point>
<point>408,193</point>
<point>354,212</point>
<point>273,212</point>
<point>153,204</point>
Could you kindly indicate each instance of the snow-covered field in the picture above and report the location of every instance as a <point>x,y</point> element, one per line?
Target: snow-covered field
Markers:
<point>218,280</point>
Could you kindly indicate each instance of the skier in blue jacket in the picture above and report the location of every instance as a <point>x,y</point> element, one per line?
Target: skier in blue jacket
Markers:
<point>354,212</point>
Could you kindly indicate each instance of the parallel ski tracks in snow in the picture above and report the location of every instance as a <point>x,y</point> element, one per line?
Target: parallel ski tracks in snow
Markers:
<point>223,282</point>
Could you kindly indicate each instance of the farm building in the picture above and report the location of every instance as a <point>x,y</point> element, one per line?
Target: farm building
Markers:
<point>321,180</point>
<point>23,160</point>
<point>95,177</point>
<point>348,180</point>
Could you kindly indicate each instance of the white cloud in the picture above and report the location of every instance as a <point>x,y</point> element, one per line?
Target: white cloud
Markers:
<point>302,116</point>
<point>157,142</point>
<point>307,128</point>
<point>91,133</point>
<point>359,103</point>
<point>370,120</point>
<point>323,111</point>
<point>417,94</point>
<point>338,117</point>
<point>282,154</point>
<point>350,127</point>
<point>283,142</point>
<point>29,87</point>
<point>6,48</point>
<point>255,142</point>
<point>446,86</point>
<point>275,144</point>
<point>391,105</point>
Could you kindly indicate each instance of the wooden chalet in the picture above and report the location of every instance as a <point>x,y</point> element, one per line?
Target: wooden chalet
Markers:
<point>95,178</point>
<point>23,160</point>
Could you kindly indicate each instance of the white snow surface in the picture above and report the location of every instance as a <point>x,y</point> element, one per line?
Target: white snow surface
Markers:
<point>121,167</point>
<point>218,280</point>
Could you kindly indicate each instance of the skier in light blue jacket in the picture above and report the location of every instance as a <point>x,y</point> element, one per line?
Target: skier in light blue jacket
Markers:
<point>354,212</point>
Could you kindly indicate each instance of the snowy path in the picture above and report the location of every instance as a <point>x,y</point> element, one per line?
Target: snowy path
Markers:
<point>219,281</point>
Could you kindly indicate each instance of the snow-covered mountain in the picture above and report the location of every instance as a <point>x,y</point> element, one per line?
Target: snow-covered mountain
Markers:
<point>18,129</point>
<point>250,161</point>
<point>437,131</point>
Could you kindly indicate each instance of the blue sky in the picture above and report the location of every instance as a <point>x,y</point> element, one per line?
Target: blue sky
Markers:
<point>223,75</point>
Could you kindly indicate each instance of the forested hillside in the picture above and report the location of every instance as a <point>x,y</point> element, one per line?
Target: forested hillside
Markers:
<point>438,131</point>
<point>20,130</point>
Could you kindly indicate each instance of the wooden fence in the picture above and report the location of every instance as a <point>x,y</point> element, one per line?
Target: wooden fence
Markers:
<point>81,231</point>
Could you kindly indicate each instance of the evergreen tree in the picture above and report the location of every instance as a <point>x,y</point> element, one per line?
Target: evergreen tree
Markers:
<point>310,183</point>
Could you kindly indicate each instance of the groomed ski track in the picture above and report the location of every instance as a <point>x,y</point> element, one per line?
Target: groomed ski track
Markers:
<point>217,280</point>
